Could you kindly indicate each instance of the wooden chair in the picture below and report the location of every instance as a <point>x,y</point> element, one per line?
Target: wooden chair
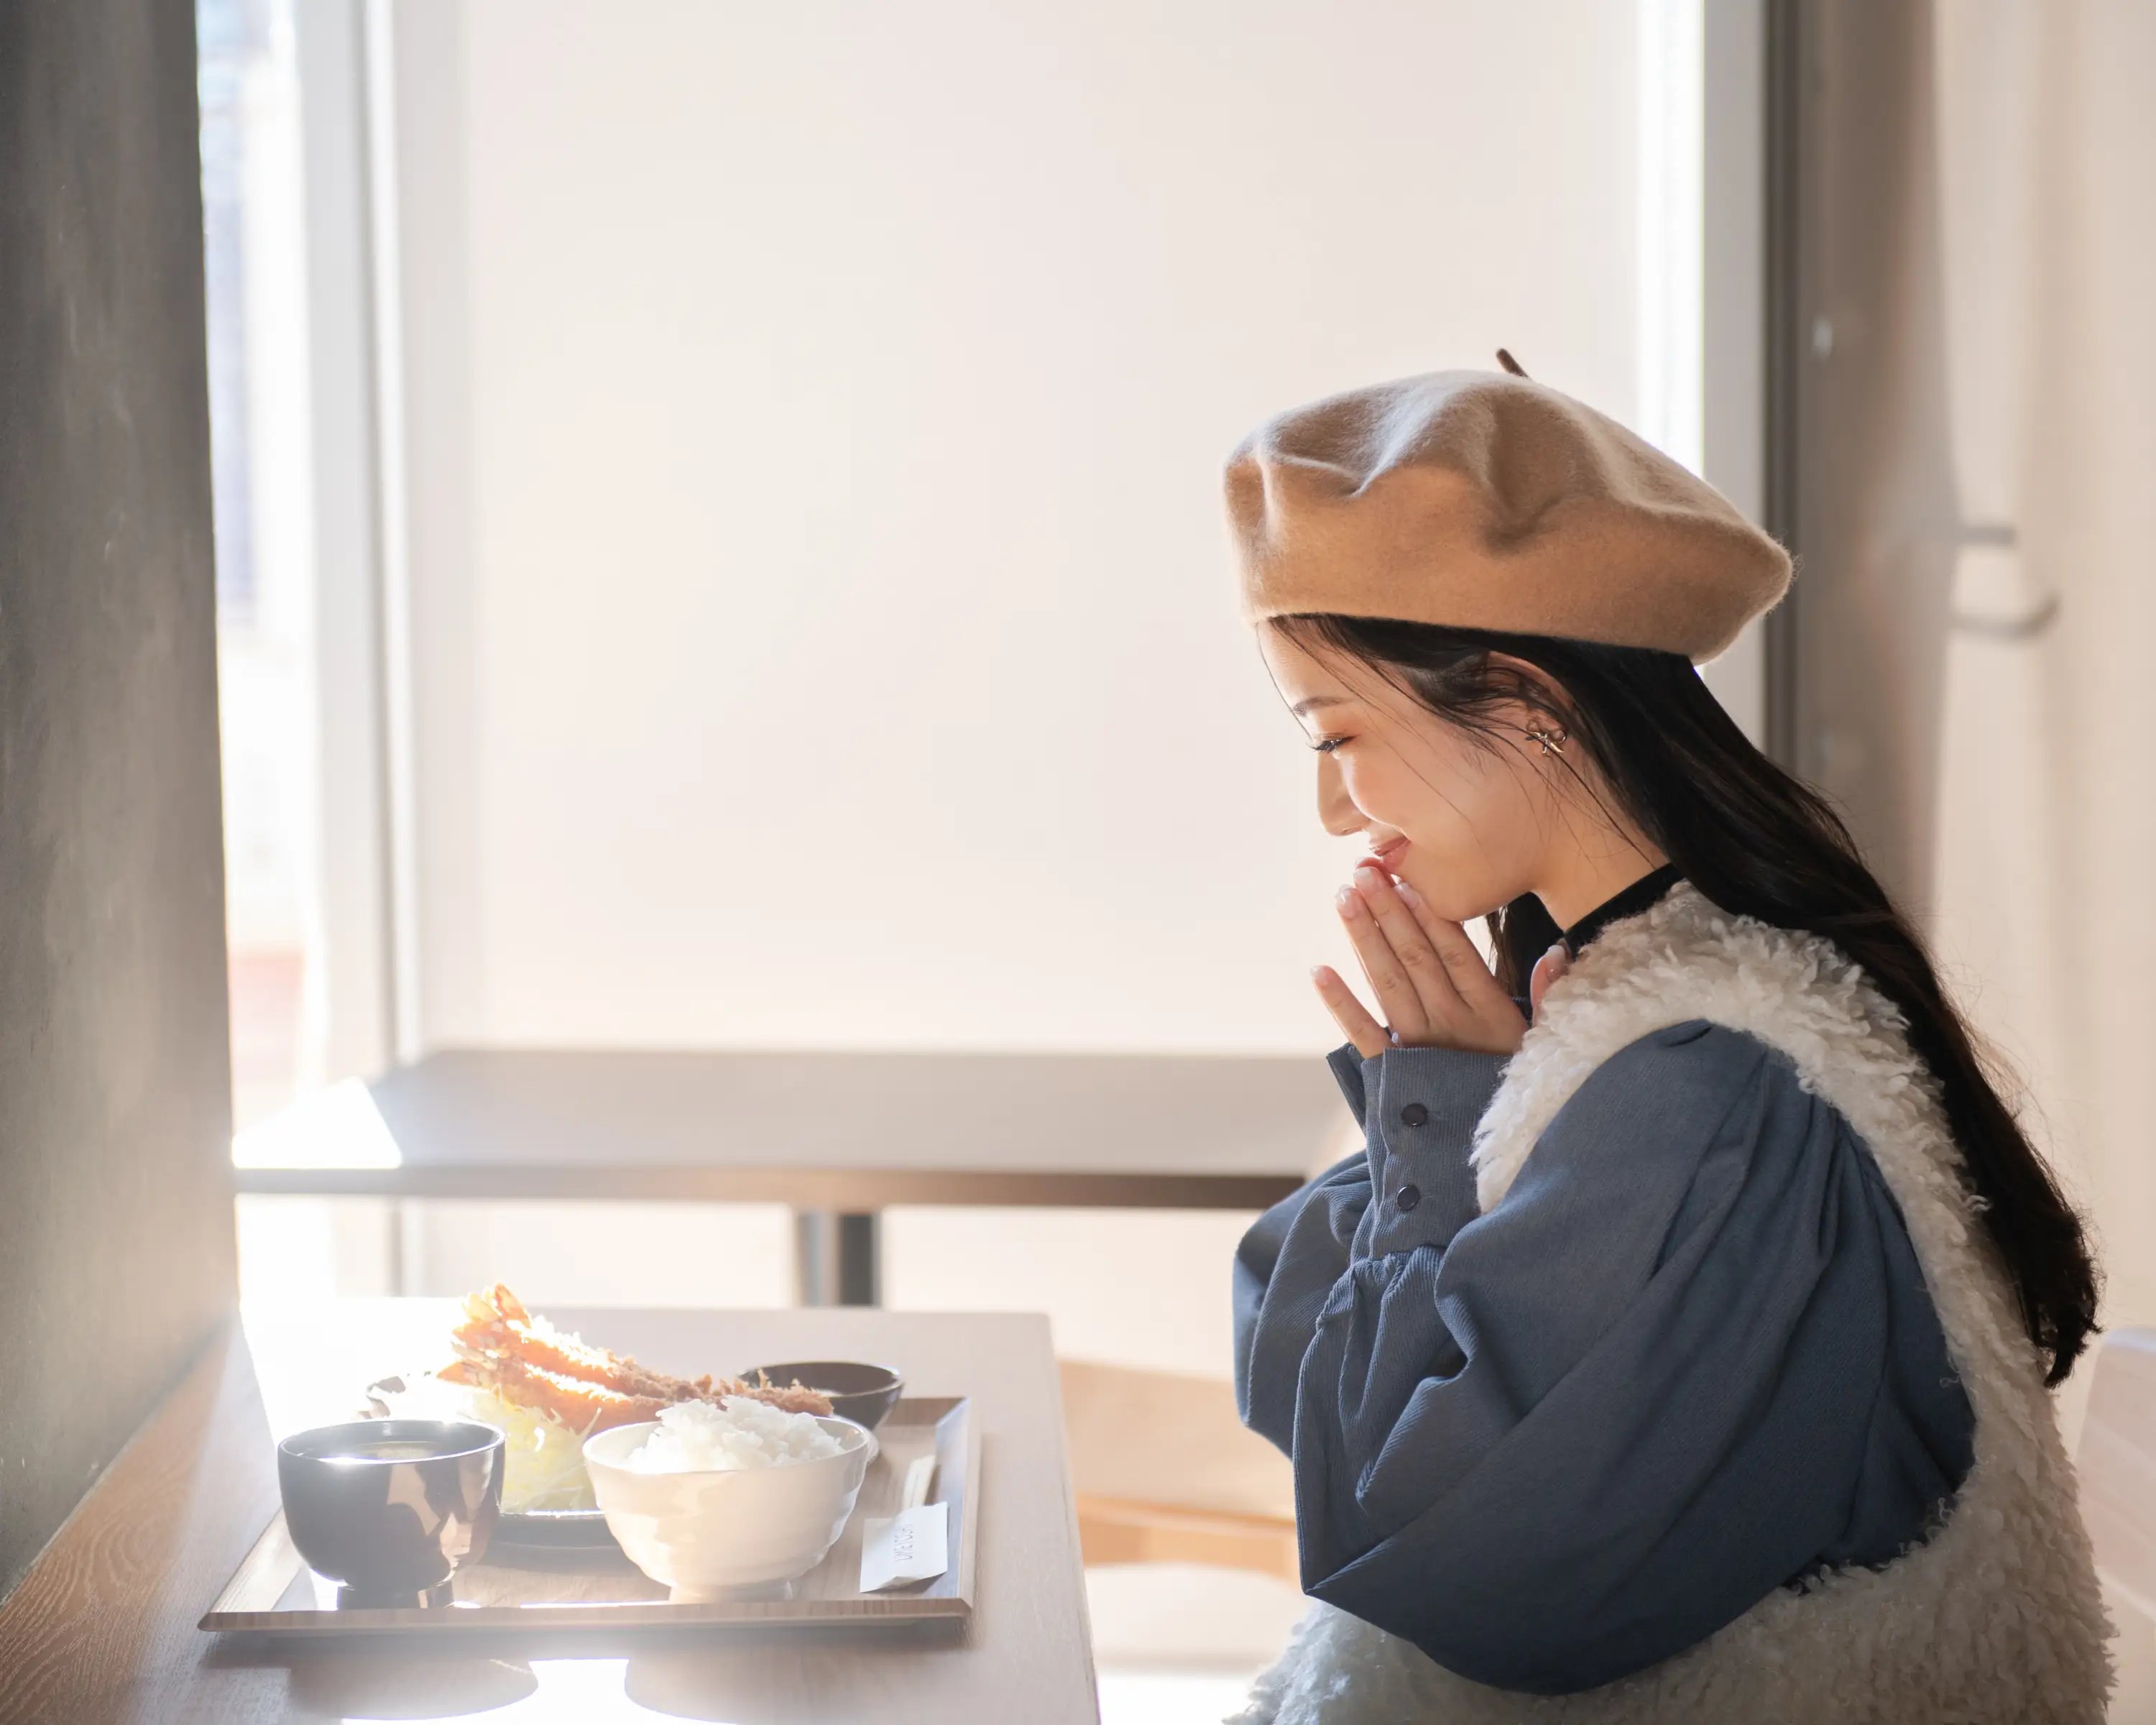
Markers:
<point>1165,1470</point>
<point>2116,1461</point>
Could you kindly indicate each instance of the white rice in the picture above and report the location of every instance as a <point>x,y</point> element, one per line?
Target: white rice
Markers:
<point>696,1437</point>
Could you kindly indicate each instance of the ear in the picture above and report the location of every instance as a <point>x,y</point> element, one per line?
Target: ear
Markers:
<point>1541,698</point>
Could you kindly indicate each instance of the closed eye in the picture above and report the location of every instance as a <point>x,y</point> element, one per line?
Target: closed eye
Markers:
<point>1326,745</point>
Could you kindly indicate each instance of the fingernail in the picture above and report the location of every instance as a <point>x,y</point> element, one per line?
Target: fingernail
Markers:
<point>1350,900</point>
<point>1318,973</point>
<point>1409,895</point>
<point>1369,878</point>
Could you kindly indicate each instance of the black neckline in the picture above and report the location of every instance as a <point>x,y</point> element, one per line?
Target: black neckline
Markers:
<point>1644,893</point>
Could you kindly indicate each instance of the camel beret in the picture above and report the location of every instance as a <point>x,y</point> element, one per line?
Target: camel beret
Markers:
<point>1482,500</point>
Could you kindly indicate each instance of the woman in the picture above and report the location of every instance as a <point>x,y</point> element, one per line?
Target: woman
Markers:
<point>1678,1348</point>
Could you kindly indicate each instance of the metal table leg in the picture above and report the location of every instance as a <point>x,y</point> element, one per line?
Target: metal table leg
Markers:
<point>838,1258</point>
<point>404,1245</point>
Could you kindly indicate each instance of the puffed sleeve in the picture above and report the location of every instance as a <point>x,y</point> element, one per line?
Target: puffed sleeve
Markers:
<point>1288,1263</point>
<point>1689,1358</point>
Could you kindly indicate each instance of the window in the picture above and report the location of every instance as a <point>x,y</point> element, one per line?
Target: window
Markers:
<point>254,254</point>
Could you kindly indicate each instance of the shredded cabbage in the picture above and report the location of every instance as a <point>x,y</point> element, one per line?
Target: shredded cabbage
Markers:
<point>543,1459</point>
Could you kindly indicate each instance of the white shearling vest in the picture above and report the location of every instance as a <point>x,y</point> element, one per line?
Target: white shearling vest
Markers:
<point>1998,1616</point>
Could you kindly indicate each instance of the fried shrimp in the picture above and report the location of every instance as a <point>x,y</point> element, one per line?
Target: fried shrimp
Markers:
<point>526,1360</point>
<point>583,1406</point>
<point>497,1327</point>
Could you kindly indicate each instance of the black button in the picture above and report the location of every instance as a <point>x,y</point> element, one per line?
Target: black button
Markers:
<point>1407,1197</point>
<point>1415,1114</point>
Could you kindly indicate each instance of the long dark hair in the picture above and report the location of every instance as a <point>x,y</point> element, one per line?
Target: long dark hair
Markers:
<point>1757,842</point>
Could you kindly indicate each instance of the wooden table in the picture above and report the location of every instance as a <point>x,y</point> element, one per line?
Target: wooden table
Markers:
<point>838,1137</point>
<point>102,1629</point>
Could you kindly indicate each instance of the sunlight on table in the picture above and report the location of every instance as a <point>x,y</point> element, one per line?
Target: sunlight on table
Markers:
<point>573,1692</point>
<point>338,1127</point>
<point>557,1692</point>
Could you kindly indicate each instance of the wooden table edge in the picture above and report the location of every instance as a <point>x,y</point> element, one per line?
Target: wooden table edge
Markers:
<point>144,1499</point>
<point>848,1189</point>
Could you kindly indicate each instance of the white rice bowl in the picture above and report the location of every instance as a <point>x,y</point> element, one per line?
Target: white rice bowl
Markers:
<point>711,1499</point>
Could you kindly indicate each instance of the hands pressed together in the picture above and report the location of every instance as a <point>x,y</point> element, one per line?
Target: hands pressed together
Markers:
<point>1430,983</point>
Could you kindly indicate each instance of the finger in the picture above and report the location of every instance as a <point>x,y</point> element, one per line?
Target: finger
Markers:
<point>1356,1024</point>
<point>1463,962</point>
<point>1426,970</point>
<point>1397,995</point>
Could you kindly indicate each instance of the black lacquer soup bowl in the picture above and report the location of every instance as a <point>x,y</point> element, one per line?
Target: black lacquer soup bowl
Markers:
<point>391,1508</point>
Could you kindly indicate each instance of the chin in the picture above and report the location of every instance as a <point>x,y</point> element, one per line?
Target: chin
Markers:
<point>1455,904</point>
<point>1474,912</point>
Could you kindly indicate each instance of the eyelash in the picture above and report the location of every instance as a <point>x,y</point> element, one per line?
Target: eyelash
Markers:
<point>1327,745</point>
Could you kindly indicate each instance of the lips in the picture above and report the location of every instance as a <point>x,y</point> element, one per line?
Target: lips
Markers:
<point>1391,848</point>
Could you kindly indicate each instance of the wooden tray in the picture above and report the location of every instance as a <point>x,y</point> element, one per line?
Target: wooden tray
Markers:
<point>527,1588</point>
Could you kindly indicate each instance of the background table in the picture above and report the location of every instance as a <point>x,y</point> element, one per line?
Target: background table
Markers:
<point>102,1630</point>
<point>838,1136</point>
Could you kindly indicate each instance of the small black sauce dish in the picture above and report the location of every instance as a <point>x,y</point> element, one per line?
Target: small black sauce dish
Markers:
<point>391,1508</point>
<point>860,1392</point>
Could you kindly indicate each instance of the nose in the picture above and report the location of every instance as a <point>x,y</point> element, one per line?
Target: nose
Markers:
<point>1336,809</point>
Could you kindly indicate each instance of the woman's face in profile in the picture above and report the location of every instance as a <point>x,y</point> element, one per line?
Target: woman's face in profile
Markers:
<point>1463,819</point>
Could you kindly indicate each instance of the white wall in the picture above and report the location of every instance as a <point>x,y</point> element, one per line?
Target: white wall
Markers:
<point>1732,304</point>
<point>825,633</point>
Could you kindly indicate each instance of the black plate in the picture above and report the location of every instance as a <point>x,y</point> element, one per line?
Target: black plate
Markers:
<point>555,1530</point>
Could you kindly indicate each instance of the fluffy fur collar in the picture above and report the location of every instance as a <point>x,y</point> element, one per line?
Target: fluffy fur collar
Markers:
<point>1997,1617</point>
